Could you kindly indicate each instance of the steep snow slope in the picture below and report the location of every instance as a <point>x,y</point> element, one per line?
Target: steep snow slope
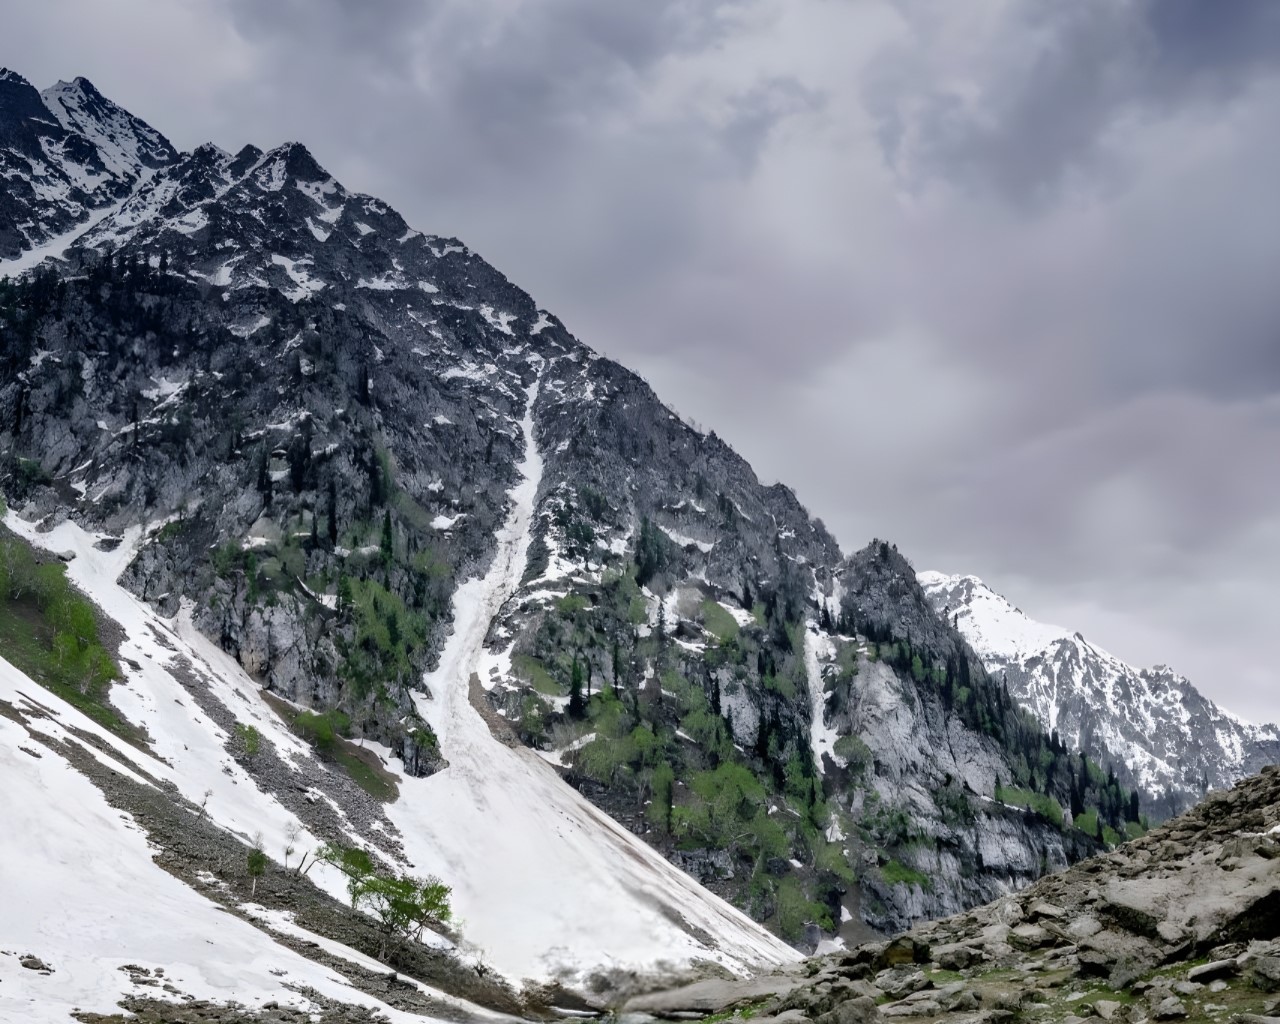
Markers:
<point>548,884</point>
<point>1158,729</point>
<point>81,892</point>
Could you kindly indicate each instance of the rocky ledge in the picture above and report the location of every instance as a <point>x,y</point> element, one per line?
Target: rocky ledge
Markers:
<point>1181,924</point>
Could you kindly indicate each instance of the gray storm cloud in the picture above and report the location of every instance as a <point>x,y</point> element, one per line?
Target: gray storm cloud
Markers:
<point>993,280</point>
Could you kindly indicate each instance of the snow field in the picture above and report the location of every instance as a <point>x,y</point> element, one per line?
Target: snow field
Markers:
<point>80,891</point>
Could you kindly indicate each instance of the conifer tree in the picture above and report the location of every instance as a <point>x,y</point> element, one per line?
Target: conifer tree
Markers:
<point>577,706</point>
<point>333,513</point>
<point>387,543</point>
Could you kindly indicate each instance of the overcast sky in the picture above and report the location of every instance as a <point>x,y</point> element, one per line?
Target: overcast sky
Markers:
<point>995,280</point>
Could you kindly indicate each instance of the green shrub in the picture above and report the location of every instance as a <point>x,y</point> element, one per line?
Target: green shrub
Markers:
<point>1043,805</point>
<point>830,857</point>
<point>322,730</point>
<point>572,603</point>
<point>718,622</point>
<point>897,873</point>
<point>854,752</point>
<point>249,738</point>
<point>795,910</point>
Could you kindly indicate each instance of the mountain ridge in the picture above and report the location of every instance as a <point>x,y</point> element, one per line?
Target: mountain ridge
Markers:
<point>325,422</point>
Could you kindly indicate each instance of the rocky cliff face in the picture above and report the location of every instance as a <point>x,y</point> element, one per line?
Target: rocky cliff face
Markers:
<point>1162,734</point>
<point>319,414</point>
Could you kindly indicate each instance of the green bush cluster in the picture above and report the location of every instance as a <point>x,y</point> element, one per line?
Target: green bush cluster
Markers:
<point>65,648</point>
<point>404,906</point>
<point>322,730</point>
<point>897,873</point>
<point>1045,806</point>
<point>387,635</point>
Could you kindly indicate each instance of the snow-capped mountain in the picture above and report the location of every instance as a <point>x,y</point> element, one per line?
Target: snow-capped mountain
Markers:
<point>338,479</point>
<point>67,157</point>
<point>1153,724</point>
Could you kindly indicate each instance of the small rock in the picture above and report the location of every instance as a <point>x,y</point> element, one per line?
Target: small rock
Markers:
<point>1169,1008</point>
<point>1186,988</point>
<point>1218,986</point>
<point>34,963</point>
<point>1041,909</point>
<point>960,1001</point>
<point>1228,952</point>
<point>898,982</point>
<point>956,956</point>
<point>923,1008</point>
<point>1008,912</point>
<point>1084,927</point>
<point>1107,1008</point>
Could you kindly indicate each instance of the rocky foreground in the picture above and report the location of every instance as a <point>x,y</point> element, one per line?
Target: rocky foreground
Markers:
<point>1181,924</point>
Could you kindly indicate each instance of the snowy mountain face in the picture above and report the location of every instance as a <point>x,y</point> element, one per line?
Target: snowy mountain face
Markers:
<point>493,611</point>
<point>1161,733</point>
<point>67,155</point>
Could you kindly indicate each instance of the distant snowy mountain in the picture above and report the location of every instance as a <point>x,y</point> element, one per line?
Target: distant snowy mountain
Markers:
<point>1156,727</point>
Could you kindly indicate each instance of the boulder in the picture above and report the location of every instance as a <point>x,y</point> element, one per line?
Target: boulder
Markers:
<point>1041,909</point>
<point>1169,1008</point>
<point>1213,970</point>
<point>902,950</point>
<point>852,1011</point>
<point>956,956</point>
<point>1265,973</point>
<point>898,982</point>
<point>1029,936</point>
<point>922,1008</point>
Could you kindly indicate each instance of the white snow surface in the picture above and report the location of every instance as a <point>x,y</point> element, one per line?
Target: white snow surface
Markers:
<point>80,890</point>
<point>189,743</point>
<point>994,626</point>
<point>548,885</point>
<point>822,737</point>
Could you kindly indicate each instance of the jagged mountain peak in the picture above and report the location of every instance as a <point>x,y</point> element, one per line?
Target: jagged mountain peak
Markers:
<point>128,146</point>
<point>991,623</point>
<point>19,102</point>
<point>11,77</point>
